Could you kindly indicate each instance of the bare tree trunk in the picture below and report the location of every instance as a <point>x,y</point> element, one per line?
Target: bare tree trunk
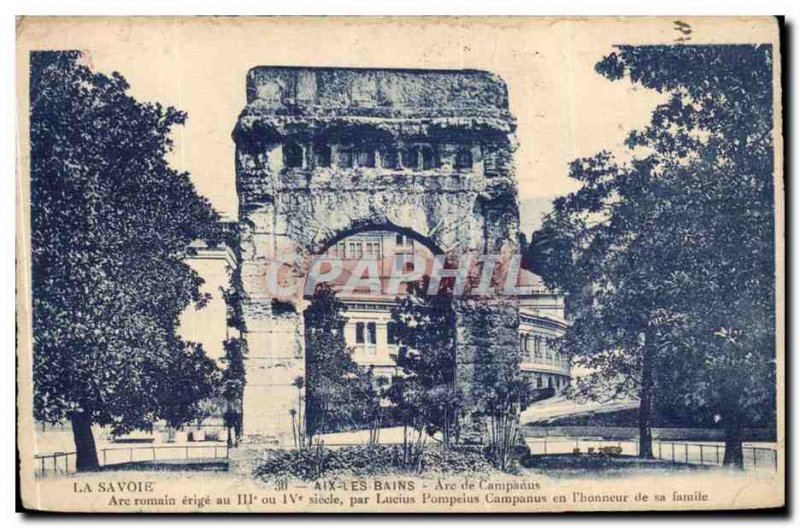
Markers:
<point>646,398</point>
<point>302,426</point>
<point>84,443</point>
<point>405,445</point>
<point>446,429</point>
<point>734,457</point>
<point>237,423</point>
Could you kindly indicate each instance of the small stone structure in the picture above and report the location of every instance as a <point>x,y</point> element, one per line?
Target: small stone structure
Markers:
<point>323,153</point>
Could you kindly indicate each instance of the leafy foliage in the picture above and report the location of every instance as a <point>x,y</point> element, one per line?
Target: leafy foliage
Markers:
<point>234,376</point>
<point>233,382</point>
<point>500,390</point>
<point>426,395</point>
<point>335,384</point>
<point>186,389</point>
<point>111,224</point>
<point>668,260</point>
<point>311,464</point>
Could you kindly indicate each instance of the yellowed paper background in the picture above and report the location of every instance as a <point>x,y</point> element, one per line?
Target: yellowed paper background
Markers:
<point>563,108</point>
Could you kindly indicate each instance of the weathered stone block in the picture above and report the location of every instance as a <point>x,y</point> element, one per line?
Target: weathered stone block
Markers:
<point>322,196</point>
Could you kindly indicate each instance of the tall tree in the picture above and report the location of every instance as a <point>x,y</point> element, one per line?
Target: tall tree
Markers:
<point>668,260</point>
<point>500,391</point>
<point>234,375</point>
<point>330,369</point>
<point>423,327</point>
<point>233,382</point>
<point>717,130</point>
<point>612,271</point>
<point>111,225</point>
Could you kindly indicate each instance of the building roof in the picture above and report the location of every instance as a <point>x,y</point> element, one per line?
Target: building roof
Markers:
<point>562,407</point>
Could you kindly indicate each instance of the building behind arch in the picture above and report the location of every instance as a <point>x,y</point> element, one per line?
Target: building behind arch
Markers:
<point>369,328</point>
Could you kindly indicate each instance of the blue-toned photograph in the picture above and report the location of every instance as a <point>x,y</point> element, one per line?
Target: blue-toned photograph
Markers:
<point>482,265</point>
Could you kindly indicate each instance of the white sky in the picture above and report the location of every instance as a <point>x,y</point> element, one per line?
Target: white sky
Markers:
<point>564,109</point>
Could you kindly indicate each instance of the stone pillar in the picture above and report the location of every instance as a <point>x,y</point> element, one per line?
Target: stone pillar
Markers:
<point>275,360</point>
<point>275,332</point>
<point>487,352</point>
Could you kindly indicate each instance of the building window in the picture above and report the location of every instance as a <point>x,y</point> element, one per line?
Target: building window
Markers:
<point>292,155</point>
<point>341,249</point>
<point>549,382</point>
<point>373,250</point>
<point>464,159</point>
<point>423,156</point>
<point>537,347</point>
<point>372,333</point>
<point>538,382</point>
<point>391,333</point>
<point>401,262</point>
<point>360,333</point>
<point>401,240</point>
<point>355,250</point>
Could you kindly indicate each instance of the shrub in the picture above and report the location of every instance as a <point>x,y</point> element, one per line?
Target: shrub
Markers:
<point>459,460</point>
<point>310,464</point>
<point>519,451</point>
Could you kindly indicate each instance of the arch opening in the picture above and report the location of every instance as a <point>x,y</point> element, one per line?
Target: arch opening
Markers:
<point>366,345</point>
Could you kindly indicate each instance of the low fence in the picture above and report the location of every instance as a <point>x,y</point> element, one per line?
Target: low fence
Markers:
<point>64,463</point>
<point>54,464</point>
<point>699,453</point>
<point>670,434</point>
<point>754,458</point>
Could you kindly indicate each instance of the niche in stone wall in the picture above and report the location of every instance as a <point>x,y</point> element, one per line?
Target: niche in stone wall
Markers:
<point>421,157</point>
<point>463,159</point>
<point>390,158</point>
<point>292,155</point>
<point>322,155</point>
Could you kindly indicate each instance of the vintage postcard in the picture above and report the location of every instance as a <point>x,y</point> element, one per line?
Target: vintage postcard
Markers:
<point>347,265</point>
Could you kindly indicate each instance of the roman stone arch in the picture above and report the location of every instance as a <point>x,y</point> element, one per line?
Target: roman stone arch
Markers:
<point>322,153</point>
